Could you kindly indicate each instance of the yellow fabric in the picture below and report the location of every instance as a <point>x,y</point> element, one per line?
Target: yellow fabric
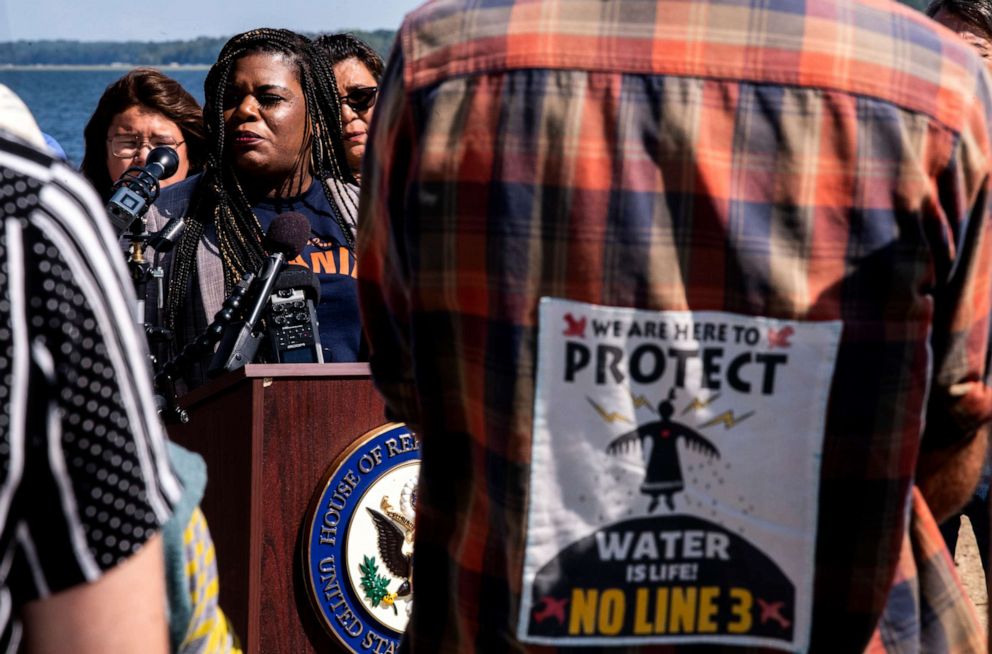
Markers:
<point>209,632</point>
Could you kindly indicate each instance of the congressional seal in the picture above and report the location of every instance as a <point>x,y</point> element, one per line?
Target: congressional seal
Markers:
<point>358,547</point>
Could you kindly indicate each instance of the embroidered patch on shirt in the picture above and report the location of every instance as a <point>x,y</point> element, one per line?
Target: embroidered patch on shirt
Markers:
<point>674,477</point>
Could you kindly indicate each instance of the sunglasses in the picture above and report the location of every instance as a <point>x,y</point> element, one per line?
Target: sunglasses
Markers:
<point>361,99</point>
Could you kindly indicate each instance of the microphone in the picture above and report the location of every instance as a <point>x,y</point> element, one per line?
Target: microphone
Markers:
<point>138,187</point>
<point>168,236</point>
<point>286,238</point>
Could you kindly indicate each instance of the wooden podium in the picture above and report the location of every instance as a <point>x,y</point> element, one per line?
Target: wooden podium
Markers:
<point>268,434</point>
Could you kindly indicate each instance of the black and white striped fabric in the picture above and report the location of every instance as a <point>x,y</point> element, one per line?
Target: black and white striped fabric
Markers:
<point>85,479</point>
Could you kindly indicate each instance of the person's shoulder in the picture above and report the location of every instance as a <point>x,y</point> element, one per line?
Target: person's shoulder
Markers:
<point>176,198</point>
<point>38,179</point>
<point>342,191</point>
<point>439,10</point>
<point>24,157</point>
<point>180,191</point>
<point>899,54</point>
<point>444,38</point>
<point>172,201</point>
<point>879,49</point>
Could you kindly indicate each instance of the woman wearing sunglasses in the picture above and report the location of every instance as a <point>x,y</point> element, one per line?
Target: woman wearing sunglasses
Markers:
<point>137,113</point>
<point>357,69</point>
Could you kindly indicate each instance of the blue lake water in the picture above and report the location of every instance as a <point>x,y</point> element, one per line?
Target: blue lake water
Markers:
<point>62,101</point>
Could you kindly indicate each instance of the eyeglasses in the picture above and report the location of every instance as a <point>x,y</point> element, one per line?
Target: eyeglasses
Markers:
<point>361,99</point>
<point>126,146</point>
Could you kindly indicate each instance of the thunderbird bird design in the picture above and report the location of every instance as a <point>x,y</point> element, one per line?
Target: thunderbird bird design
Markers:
<point>663,476</point>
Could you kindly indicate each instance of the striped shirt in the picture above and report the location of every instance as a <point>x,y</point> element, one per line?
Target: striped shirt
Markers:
<point>824,161</point>
<point>85,478</point>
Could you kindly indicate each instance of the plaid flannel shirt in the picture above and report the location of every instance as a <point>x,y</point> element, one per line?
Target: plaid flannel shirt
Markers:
<point>825,160</point>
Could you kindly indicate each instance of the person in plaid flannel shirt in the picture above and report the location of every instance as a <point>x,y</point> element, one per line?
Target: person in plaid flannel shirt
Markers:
<point>774,213</point>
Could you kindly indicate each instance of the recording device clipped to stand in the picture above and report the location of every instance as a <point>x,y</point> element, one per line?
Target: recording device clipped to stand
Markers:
<point>291,317</point>
<point>285,296</point>
<point>178,367</point>
<point>138,188</point>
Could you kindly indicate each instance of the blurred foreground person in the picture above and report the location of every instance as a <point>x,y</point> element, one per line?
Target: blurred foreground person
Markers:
<point>682,306</point>
<point>85,480</point>
<point>357,71</point>
<point>972,21</point>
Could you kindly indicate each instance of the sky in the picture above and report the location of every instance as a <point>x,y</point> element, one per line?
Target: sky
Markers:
<point>162,20</point>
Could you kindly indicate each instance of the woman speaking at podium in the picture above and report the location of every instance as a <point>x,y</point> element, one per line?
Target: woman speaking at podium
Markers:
<point>272,114</point>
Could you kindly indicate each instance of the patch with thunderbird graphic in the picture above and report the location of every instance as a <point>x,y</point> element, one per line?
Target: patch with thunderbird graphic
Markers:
<point>674,477</point>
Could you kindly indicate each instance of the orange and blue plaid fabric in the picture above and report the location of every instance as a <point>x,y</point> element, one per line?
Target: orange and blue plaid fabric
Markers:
<point>926,572</point>
<point>807,160</point>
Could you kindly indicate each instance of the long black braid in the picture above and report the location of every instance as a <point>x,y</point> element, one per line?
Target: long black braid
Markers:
<point>219,197</point>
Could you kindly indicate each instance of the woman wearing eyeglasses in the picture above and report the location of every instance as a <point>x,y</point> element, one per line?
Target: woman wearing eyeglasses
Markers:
<point>139,112</point>
<point>357,69</point>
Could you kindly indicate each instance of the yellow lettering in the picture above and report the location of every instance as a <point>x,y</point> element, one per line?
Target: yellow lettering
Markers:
<point>676,610</point>
<point>683,610</point>
<point>707,609</point>
<point>741,609</point>
<point>611,611</point>
<point>641,624</point>
<point>298,261</point>
<point>323,262</point>
<point>582,615</point>
<point>661,611</point>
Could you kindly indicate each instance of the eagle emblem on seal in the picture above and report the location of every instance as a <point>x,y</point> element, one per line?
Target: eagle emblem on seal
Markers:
<point>394,541</point>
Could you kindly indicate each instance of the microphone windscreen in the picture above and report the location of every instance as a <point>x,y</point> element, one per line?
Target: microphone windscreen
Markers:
<point>288,234</point>
<point>295,276</point>
<point>165,158</point>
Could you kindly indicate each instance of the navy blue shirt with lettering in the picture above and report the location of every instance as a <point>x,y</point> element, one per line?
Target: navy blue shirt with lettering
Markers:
<point>328,256</point>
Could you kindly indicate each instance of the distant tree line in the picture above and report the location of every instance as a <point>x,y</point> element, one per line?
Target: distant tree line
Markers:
<point>203,50</point>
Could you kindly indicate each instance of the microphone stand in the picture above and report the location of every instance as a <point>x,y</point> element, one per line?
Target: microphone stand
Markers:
<point>238,345</point>
<point>179,366</point>
<point>142,272</point>
<point>132,195</point>
<point>136,191</point>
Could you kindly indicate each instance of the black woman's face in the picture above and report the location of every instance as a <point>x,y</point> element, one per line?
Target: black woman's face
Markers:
<point>265,117</point>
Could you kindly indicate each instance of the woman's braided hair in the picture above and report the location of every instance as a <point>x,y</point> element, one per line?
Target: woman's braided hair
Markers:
<point>219,197</point>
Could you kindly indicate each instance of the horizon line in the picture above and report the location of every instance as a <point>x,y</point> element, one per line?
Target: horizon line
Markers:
<point>181,40</point>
